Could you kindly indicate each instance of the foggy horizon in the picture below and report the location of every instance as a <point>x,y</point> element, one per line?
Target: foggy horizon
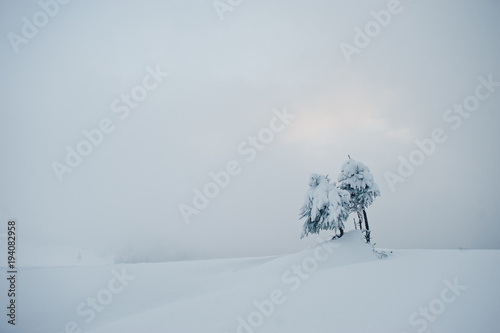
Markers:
<point>180,90</point>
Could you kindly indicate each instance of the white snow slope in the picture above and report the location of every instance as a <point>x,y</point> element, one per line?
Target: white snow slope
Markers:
<point>337,286</point>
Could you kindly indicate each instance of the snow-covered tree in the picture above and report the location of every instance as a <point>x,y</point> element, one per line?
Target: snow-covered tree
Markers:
<point>325,207</point>
<point>356,178</point>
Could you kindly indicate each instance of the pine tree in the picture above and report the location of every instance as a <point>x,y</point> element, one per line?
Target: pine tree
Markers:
<point>356,178</point>
<point>325,207</point>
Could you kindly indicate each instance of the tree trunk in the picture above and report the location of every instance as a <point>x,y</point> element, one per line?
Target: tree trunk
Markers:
<point>366,220</point>
<point>341,234</point>
<point>366,226</point>
<point>360,219</point>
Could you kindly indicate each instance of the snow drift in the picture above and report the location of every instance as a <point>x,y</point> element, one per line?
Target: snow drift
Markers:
<point>335,286</point>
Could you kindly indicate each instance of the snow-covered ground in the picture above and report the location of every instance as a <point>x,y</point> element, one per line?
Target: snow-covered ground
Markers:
<point>336,286</point>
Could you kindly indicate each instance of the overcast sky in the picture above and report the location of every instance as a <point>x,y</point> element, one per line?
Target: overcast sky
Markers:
<point>229,73</point>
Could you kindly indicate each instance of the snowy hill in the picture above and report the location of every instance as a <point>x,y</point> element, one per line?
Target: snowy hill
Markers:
<point>336,286</point>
